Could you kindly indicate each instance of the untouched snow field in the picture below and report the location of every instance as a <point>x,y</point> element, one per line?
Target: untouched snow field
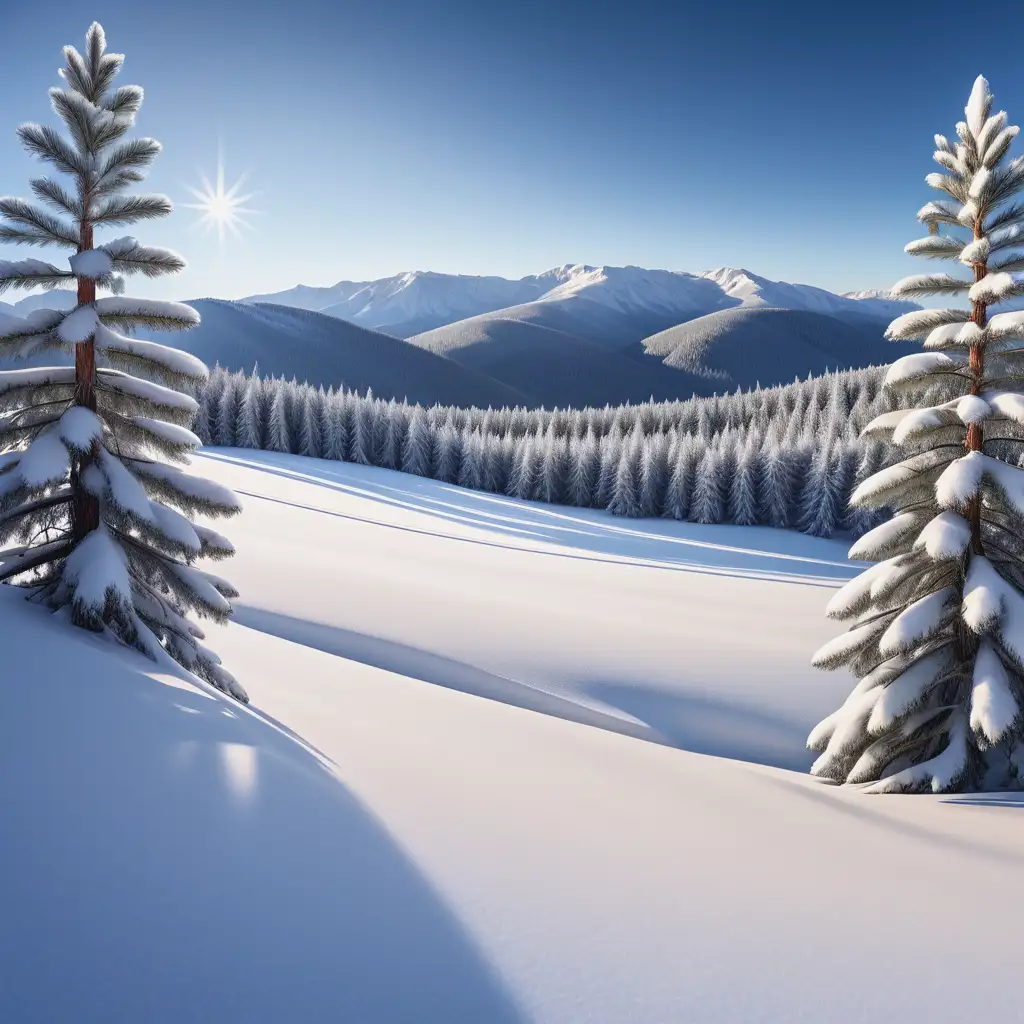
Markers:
<point>424,855</point>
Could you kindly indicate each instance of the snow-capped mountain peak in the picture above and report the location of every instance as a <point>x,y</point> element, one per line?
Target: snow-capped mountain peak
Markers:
<point>752,291</point>
<point>415,301</point>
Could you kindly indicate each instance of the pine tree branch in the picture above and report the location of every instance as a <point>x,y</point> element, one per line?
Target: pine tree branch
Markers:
<point>128,156</point>
<point>25,560</point>
<point>130,209</point>
<point>51,192</point>
<point>45,227</point>
<point>45,143</point>
<point>31,274</point>
<point>61,497</point>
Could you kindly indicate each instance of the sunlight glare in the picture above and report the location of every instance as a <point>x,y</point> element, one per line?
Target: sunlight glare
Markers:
<point>221,208</point>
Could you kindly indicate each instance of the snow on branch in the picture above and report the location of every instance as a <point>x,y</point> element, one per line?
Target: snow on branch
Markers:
<point>78,326</point>
<point>146,391</point>
<point>31,274</point>
<point>133,353</point>
<point>917,324</point>
<point>93,263</point>
<point>191,494</point>
<point>128,256</point>
<point>920,285</point>
<point>941,247</point>
<point>921,366</point>
<point>130,313</point>
<point>940,211</point>
<point>997,287</point>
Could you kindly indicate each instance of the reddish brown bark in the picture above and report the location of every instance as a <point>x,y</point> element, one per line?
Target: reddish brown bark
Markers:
<point>85,509</point>
<point>975,439</point>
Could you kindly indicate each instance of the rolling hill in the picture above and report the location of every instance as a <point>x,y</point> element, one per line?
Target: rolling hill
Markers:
<point>748,345</point>
<point>553,367</point>
<point>310,346</point>
<point>324,350</point>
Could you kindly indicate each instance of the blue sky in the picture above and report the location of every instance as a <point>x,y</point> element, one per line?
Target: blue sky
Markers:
<point>490,138</point>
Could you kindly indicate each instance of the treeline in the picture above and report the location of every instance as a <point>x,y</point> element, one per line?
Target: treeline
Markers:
<point>786,456</point>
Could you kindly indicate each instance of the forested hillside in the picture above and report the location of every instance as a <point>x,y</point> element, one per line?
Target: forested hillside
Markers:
<point>785,457</point>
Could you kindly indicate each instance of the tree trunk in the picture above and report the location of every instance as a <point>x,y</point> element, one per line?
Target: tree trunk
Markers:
<point>975,437</point>
<point>85,507</point>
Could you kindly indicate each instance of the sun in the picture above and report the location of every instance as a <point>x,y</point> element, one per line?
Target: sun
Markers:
<point>222,209</point>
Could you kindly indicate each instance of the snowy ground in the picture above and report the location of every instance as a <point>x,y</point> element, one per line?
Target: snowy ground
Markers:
<point>428,856</point>
<point>699,637</point>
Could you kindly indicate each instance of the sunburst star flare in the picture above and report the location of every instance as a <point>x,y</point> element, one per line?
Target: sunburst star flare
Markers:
<point>222,208</point>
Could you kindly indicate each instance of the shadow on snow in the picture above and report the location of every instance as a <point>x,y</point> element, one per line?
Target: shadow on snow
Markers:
<point>179,858</point>
<point>690,547</point>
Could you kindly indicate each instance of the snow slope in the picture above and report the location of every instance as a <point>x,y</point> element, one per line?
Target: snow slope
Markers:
<point>580,609</point>
<point>428,855</point>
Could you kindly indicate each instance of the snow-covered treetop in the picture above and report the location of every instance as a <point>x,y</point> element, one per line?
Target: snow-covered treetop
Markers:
<point>103,163</point>
<point>980,182</point>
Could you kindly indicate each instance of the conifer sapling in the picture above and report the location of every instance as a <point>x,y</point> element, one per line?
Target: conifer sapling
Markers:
<point>937,633</point>
<point>95,517</point>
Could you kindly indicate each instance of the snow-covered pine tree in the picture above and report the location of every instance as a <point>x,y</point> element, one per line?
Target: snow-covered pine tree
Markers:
<point>625,497</point>
<point>447,454</point>
<point>311,441</point>
<point>416,453</point>
<point>707,502</point>
<point>611,455</point>
<point>101,519</point>
<point>680,485</point>
<point>654,474</point>
<point>278,432</point>
<point>554,469</point>
<point>394,435</point>
<point>225,424</point>
<point>584,465</point>
<point>366,432</point>
<point>250,414</point>
<point>821,501</point>
<point>208,398</point>
<point>500,455</point>
<point>471,469</point>
<point>522,480</point>
<point>746,481</point>
<point>937,639</point>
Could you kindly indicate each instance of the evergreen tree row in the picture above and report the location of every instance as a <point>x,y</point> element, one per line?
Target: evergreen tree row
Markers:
<point>786,457</point>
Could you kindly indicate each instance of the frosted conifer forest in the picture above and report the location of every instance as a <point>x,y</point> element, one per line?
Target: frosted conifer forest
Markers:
<point>606,644</point>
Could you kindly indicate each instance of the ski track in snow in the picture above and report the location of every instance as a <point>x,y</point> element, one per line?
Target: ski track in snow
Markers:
<point>365,843</point>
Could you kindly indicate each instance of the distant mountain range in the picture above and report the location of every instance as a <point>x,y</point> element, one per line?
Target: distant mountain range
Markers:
<point>611,305</point>
<point>574,335</point>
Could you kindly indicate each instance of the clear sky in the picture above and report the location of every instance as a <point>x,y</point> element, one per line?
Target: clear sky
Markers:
<point>470,136</point>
